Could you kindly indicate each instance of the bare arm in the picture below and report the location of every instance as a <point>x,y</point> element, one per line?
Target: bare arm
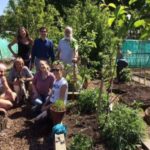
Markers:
<point>6,87</point>
<point>34,89</point>
<point>10,45</point>
<point>12,95</point>
<point>75,54</point>
<point>61,96</point>
<point>62,92</point>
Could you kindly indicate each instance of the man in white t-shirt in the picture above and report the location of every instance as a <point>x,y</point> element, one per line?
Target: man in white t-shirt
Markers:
<point>68,47</point>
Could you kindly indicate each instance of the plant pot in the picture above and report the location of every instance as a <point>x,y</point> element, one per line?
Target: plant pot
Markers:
<point>56,116</point>
<point>147,115</point>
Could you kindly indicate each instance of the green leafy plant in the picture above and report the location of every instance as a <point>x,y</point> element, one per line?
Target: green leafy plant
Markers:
<point>58,105</point>
<point>74,79</point>
<point>87,101</point>
<point>124,128</point>
<point>126,75</point>
<point>74,44</point>
<point>81,142</point>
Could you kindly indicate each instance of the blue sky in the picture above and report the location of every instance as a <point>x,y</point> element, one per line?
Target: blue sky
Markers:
<point>3,4</point>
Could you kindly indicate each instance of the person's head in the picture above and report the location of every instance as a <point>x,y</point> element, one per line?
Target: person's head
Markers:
<point>43,32</point>
<point>44,67</point>
<point>18,64</point>
<point>22,33</point>
<point>2,69</point>
<point>58,69</point>
<point>68,32</point>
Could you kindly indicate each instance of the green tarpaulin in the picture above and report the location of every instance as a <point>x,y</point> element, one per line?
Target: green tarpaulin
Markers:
<point>4,51</point>
<point>137,53</point>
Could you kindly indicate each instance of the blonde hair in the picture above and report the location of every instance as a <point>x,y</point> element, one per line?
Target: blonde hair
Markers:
<point>58,64</point>
<point>45,64</point>
<point>18,60</point>
<point>2,67</point>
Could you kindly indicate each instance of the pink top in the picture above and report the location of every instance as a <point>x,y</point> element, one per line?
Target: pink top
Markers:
<point>43,85</point>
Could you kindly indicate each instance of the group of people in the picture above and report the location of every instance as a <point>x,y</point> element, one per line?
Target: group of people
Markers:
<point>48,84</point>
<point>42,48</point>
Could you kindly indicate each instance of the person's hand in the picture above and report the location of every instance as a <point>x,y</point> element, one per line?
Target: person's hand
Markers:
<point>45,107</point>
<point>11,95</point>
<point>16,82</point>
<point>74,60</point>
<point>21,80</point>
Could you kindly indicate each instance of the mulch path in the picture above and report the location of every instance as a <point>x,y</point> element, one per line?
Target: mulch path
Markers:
<point>23,134</point>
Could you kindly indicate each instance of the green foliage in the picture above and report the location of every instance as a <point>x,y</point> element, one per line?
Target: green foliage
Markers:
<point>120,21</point>
<point>87,101</point>
<point>33,14</point>
<point>74,79</point>
<point>97,43</point>
<point>124,128</point>
<point>81,142</point>
<point>86,73</point>
<point>58,105</point>
<point>126,75</point>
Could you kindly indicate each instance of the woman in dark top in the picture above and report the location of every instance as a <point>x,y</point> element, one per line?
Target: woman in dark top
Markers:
<point>25,43</point>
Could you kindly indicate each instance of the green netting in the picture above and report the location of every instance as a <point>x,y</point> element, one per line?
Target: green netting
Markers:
<point>4,51</point>
<point>137,53</point>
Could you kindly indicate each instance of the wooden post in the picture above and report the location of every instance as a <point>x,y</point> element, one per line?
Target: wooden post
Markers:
<point>60,143</point>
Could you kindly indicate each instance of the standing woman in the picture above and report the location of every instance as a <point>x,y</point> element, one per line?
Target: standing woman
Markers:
<point>25,43</point>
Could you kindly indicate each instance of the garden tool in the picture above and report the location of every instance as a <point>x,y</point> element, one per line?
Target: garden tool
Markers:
<point>74,78</point>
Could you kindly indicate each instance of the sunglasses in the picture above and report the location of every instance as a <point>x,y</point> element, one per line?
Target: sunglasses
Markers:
<point>43,31</point>
<point>55,70</point>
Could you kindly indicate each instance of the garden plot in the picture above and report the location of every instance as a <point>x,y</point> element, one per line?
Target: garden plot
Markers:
<point>23,134</point>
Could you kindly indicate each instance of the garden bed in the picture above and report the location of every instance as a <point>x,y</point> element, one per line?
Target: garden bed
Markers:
<point>133,92</point>
<point>23,134</point>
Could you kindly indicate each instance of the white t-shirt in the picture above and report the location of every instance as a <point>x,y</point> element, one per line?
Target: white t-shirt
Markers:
<point>56,90</point>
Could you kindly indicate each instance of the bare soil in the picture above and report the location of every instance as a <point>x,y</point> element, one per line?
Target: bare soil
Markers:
<point>133,92</point>
<point>23,134</point>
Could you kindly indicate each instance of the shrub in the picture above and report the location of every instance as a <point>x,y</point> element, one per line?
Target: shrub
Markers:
<point>126,75</point>
<point>88,100</point>
<point>81,142</point>
<point>124,128</point>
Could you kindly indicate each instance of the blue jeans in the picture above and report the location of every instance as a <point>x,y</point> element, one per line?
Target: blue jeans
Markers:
<point>40,100</point>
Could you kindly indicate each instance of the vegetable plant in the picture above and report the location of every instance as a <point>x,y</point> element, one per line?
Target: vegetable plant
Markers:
<point>126,75</point>
<point>87,101</point>
<point>124,128</point>
<point>75,81</point>
<point>81,142</point>
<point>58,105</point>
